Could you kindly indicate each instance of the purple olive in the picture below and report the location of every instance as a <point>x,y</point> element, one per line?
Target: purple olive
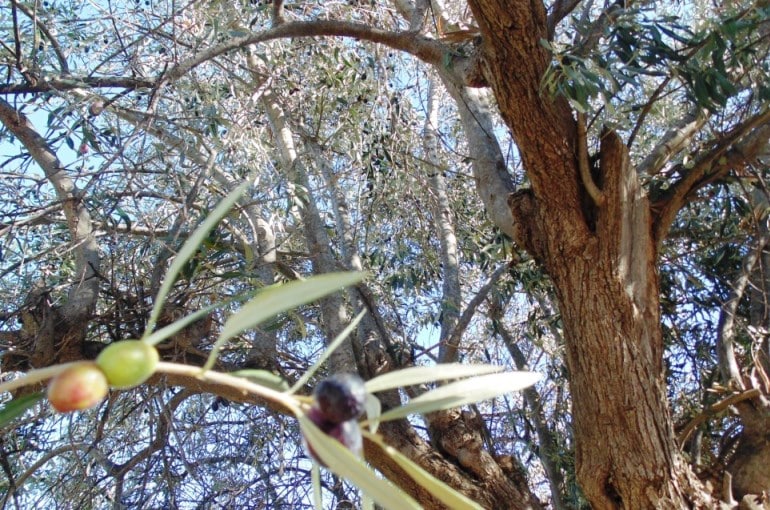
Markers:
<point>347,432</point>
<point>340,398</point>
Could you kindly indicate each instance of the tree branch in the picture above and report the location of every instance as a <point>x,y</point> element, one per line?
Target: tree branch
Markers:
<point>559,10</point>
<point>44,29</point>
<point>465,318</point>
<point>582,155</point>
<point>728,366</point>
<point>742,144</point>
<point>713,410</point>
<point>673,141</point>
<point>428,50</point>
<point>84,292</point>
<point>69,83</point>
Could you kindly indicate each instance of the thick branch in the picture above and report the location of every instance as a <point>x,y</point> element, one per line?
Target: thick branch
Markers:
<point>713,410</point>
<point>673,142</point>
<point>84,292</point>
<point>428,50</point>
<point>493,182</point>
<point>544,130</point>
<point>743,144</point>
<point>451,291</point>
<point>728,366</point>
<point>69,83</point>
<point>559,10</point>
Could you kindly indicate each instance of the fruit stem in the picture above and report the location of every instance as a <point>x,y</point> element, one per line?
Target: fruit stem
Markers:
<point>290,402</point>
<point>35,376</point>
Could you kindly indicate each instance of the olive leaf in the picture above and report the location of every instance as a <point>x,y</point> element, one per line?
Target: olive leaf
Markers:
<point>327,352</point>
<point>419,375</point>
<point>276,299</point>
<point>188,249</point>
<point>16,407</point>
<point>344,463</point>
<point>467,391</point>
<point>441,491</point>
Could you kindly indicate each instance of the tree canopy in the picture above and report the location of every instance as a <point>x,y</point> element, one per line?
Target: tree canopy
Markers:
<point>574,188</point>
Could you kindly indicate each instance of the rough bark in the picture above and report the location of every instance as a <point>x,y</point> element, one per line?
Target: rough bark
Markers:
<point>602,262</point>
<point>490,486</point>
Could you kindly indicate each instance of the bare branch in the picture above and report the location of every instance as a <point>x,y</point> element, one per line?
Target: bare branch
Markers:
<point>559,10</point>
<point>673,141</point>
<point>713,410</point>
<point>70,83</point>
<point>428,50</point>
<point>48,35</point>
<point>278,13</point>
<point>470,310</point>
<point>582,154</point>
<point>728,366</point>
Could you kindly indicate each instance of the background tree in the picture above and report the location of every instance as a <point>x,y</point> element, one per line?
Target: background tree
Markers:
<point>574,187</point>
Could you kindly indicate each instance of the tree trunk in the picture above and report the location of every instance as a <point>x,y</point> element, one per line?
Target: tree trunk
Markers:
<point>601,255</point>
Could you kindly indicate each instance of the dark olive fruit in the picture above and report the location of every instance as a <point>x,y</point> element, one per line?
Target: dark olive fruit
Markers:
<point>340,398</point>
<point>78,387</point>
<point>347,432</point>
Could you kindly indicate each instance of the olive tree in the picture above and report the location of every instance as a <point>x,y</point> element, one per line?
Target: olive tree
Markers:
<point>576,188</point>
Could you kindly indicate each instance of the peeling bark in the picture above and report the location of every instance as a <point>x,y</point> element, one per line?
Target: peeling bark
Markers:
<point>451,293</point>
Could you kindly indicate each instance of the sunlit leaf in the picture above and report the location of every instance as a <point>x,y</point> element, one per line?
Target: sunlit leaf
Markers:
<point>278,298</point>
<point>347,465</point>
<point>179,324</point>
<point>419,375</point>
<point>189,248</point>
<point>373,408</point>
<point>467,391</point>
<point>264,378</point>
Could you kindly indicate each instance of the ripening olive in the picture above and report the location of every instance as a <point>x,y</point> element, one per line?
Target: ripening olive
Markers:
<point>78,387</point>
<point>347,432</point>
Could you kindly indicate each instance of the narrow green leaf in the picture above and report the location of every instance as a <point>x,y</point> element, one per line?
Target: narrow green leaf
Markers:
<point>419,375</point>
<point>165,332</point>
<point>189,248</point>
<point>344,463</point>
<point>373,408</point>
<point>467,391</point>
<point>327,352</point>
<point>441,491</point>
<point>315,475</point>
<point>263,378</point>
<point>16,407</point>
<point>275,299</point>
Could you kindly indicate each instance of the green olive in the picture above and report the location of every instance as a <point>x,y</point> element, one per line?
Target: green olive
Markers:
<point>128,363</point>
